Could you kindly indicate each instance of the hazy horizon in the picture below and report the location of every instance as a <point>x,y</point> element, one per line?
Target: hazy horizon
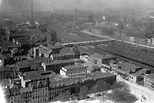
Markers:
<point>48,5</point>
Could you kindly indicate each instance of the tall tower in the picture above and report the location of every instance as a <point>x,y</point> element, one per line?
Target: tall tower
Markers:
<point>75,17</point>
<point>31,10</point>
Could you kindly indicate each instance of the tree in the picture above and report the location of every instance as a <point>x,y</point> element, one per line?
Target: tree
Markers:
<point>102,86</point>
<point>122,95</point>
<point>83,91</point>
<point>63,96</point>
<point>116,85</point>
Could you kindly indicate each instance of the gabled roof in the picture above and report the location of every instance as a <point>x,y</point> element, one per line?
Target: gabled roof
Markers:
<point>44,49</point>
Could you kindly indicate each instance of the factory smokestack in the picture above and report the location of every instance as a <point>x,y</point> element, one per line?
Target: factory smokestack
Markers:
<point>31,10</point>
<point>75,17</point>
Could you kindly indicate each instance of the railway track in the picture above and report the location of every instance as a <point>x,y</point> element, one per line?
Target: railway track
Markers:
<point>120,57</point>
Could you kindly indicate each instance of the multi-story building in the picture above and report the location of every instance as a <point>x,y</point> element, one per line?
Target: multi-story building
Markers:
<point>42,51</point>
<point>39,87</point>
<point>6,73</point>
<point>74,71</point>
<point>64,56</point>
<point>39,91</point>
<point>149,81</point>
<point>102,60</point>
<point>58,64</point>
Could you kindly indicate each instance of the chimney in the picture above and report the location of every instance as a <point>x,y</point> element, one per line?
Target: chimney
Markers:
<point>75,17</point>
<point>31,10</point>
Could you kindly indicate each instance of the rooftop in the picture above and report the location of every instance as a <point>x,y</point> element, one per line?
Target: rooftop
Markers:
<point>128,66</point>
<point>72,67</point>
<point>100,56</point>
<point>37,60</point>
<point>98,75</point>
<point>50,62</point>
<point>40,74</point>
<point>150,76</point>
<point>5,82</point>
<point>44,49</point>
<point>23,64</point>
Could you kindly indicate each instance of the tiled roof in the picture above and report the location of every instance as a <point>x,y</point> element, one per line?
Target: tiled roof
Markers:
<point>44,49</point>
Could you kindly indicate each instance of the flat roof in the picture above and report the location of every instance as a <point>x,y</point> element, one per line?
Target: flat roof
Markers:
<point>23,64</point>
<point>98,75</point>
<point>71,67</point>
<point>129,66</point>
<point>37,74</point>
<point>97,55</point>
<point>53,62</point>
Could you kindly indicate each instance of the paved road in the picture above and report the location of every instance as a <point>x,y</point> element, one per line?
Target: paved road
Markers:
<point>139,91</point>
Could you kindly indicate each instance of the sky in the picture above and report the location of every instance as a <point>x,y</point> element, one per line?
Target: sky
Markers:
<point>91,4</point>
<point>78,4</point>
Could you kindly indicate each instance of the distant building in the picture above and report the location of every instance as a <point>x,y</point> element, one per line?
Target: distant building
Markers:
<point>42,51</point>
<point>127,71</point>
<point>5,73</point>
<point>102,60</point>
<point>149,81</point>
<point>23,66</point>
<point>58,64</point>
<point>74,71</point>
<point>135,77</point>
<point>38,87</point>
<point>53,37</point>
